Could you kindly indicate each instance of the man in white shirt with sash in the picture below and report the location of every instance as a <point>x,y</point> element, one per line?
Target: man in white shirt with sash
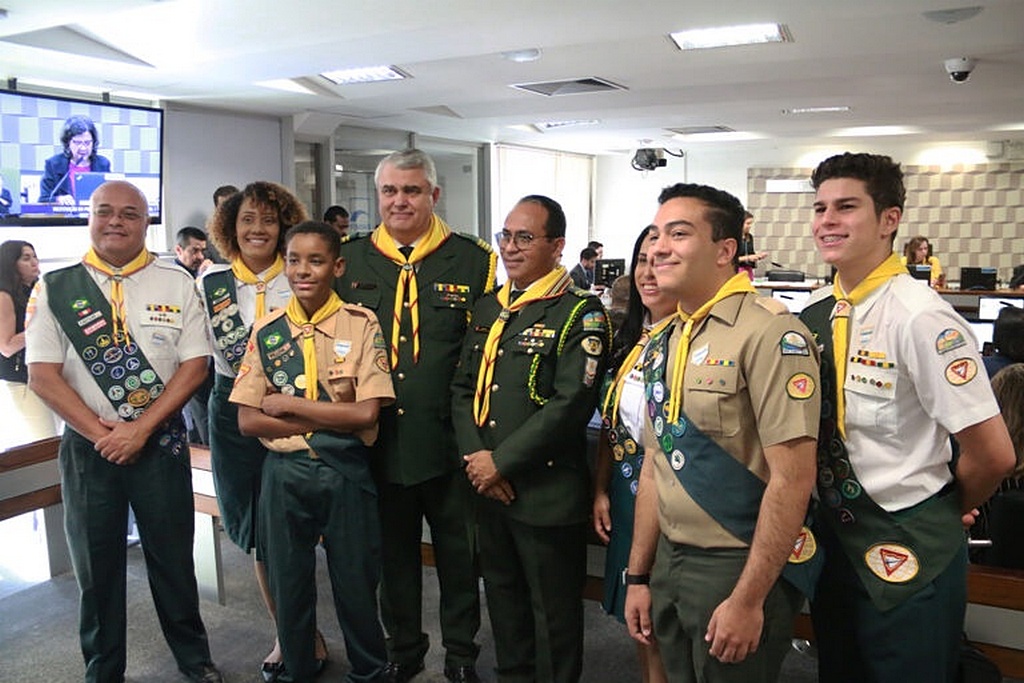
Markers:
<point>893,499</point>
<point>116,345</point>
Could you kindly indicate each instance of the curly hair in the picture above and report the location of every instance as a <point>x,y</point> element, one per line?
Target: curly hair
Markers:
<point>222,226</point>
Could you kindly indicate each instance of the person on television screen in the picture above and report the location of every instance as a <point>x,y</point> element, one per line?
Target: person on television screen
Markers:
<point>6,201</point>
<point>80,141</point>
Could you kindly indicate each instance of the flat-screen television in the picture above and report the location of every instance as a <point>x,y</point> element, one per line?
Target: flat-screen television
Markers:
<point>606,270</point>
<point>50,168</point>
<point>978,278</point>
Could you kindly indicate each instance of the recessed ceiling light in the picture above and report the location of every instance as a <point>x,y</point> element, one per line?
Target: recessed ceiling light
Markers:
<point>869,131</point>
<point>285,84</point>
<point>725,36</point>
<point>817,110</point>
<point>952,16</point>
<point>551,125</point>
<point>530,54</point>
<point>722,136</point>
<point>62,85</point>
<point>368,74</point>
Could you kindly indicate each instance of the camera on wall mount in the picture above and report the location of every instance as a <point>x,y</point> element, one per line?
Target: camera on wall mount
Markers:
<point>649,159</point>
<point>959,68</point>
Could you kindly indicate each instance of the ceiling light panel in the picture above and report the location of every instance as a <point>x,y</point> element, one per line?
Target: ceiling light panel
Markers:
<point>367,74</point>
<point>727,36</point>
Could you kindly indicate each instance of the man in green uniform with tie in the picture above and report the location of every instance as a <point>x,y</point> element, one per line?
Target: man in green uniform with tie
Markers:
<point>421,279</point>
<point>522,396</point>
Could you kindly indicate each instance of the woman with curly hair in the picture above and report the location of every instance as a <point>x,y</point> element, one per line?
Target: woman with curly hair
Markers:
<point>28,418</point>
<point>248,229</point>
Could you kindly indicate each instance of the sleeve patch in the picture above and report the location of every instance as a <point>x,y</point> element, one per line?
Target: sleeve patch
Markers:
<point>949,339</point>
<point>961,371</point>
<point>794,344</point>
<point>800,386</point>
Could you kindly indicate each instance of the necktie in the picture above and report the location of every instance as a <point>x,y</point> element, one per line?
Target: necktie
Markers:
<point>516,293</point>
<point>548,287</point>
<point>841,313</point>
<point>406,250</point>
<point>242,272</point>
<point>737,284</point>
<point>117,275</point>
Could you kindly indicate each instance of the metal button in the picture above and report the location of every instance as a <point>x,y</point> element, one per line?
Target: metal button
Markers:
<point>401,375</point>
<point>403,338</point>
<point>501,352</point>
<point>400,411</point>
<point>494,387</point>
<point>551,463</point>
<point>492,424</point>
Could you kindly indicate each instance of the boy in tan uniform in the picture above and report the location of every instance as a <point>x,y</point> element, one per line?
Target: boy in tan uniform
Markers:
<point>314,377</point>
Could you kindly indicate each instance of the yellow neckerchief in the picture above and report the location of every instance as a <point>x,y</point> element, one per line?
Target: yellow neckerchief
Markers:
<point>614,393</point>
<point>116,275</point>
<point>243,273</point>
<point>435,236</point>
<point>737,284</point>
<point>551,285</point>
<point>887,269</point>
<point>297,315</point>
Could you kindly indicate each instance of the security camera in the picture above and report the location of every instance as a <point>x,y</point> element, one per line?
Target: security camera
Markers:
<point>647,159</point>
<point>959,68</point>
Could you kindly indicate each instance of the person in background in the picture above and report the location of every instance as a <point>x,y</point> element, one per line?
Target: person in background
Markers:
<point>918,252</point>
<point>748,257</point>
<point>222,193</point>
<point>421,279</point>
<point>524,390</point>
<point>80,141</point>
<point>620,453</point>
<point>1007,340</point>
<point>618,305</point>
<point>120,382</point>
<point>316,478</point>
<point>190,251</point>
<point>597,247</point>
<point>719,556</point>
<point>582,273</point>
<point>27,418</point>
<point>900,374</point>
<point>248,228</point>
<point>337,218</point>
<point>190,254</point>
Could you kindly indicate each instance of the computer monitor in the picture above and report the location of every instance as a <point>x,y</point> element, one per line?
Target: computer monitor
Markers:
<point>607,270</point>
<point>978,278</point>
<point>920,272</point>
<point>989,306</point>
<point>983,331</point>
<point>795,299</point>
<point>86,183</point>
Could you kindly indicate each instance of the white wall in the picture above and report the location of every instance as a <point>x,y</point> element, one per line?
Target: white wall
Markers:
<point>204,150</point>
<point>626,200</point>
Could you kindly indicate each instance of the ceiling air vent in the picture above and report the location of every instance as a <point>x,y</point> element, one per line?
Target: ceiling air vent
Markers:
<point>573,86</point>
<point>700,130</point>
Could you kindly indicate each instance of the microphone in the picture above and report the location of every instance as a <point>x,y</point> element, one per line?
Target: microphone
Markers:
<point>777,265</point>
<point>59,183</point>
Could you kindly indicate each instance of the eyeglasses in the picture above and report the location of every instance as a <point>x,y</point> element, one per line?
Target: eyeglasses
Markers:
<point>127,215</point>
<point>81,143</point>
<point>523,240</point>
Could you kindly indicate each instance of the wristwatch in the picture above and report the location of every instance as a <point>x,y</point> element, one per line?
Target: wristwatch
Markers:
<point>636,579</point>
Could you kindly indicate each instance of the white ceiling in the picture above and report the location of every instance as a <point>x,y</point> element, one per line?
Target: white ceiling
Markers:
<point>883,58</point>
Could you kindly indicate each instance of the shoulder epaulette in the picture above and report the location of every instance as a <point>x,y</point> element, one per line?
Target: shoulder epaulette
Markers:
<point>479,241</point>
<point>580,292</point>
<point>352,236</point>
<point>773,306</point>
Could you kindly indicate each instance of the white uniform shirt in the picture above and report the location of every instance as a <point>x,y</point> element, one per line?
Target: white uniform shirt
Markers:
<point>918,378</point>
<point>277,295</point>
<point>166,337</point>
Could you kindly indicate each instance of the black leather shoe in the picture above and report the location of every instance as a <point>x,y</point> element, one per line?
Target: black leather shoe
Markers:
<point>461,674</point>
<point>205,674</point>
<point>271,671</point>
<point>400,673</point>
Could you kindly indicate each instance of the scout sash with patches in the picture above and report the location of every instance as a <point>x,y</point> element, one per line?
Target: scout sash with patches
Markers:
<point>229,332</point>
<point>720,484</point>
<point>895,554</point>
<point>117,365</point>
<point>281,356</point>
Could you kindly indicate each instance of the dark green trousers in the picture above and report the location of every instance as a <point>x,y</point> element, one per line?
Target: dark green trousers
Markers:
<point>534,577</point>
<point>687,584</point>
<point>445,503</point>
<point>96,498</point>
<point>303,499</point>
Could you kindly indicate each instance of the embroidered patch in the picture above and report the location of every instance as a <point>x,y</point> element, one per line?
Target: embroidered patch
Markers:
<point>794,344</point>
<point>594,320</point>
<point>300,382</point>
<point>273,340</point>
<point>842,309</point>
<point>891,562</point>
<point>592,345</point>
<point>590,370</point>
<point>804,547</point>
<point>961,371</point>
<point>378,340</point>
<point>381,361</point>
<point>678,460</point>
<point>948,340</point>
<point>698,356</point>
<point>243,370</point>
<point>800,386</point>
<point>342,348</point>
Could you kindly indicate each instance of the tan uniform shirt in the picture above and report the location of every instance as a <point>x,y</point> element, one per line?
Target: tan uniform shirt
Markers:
<point>352,365</point>
<point>751,381</point>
